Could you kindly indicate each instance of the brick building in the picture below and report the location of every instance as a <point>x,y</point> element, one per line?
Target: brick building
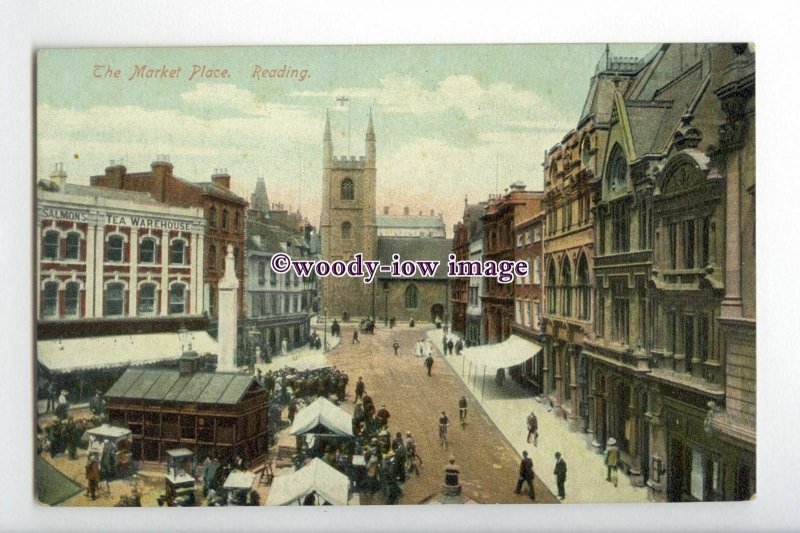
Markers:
<point>223,210</point>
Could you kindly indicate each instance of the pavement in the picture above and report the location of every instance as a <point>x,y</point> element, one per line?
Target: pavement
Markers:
<point>509,406</point>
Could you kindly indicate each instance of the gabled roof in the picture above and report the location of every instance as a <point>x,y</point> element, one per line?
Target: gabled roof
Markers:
<point>169,385</point>
<point>316,477</point>
<point>322,412</point>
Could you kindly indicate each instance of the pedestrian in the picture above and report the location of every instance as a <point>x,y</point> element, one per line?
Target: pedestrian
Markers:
<point>462,410</point>
<point>292,410</point>
<point>533,429</point>
<point>450,346</point>
<point>444,422</point>
<point>355,337</point>
<point>411,454</point>
<point>63,405</point>
<point>383,416</point>
<point>396,346</point>
<point>391,323</point>
<point>560,472</point>
<point>612,458</point>
<point>284,346</point>
<point>92,475</point>
<point>526,475</point>
<point>411,322</point>
<point>459,346</point>
<point>429,364</point>
<point>444,345</point>
<point>360,387</point>
<point>52,397</point>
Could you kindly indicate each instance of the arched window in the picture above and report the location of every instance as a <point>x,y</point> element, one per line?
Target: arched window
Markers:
<point>586,150</point>
<point>347,190</point>
<point>176,252</point>
<point>73,245</point>
<point>617,169</point>
<point>566,288</point>
<point>347,230</point>
<point>50,248</point>
<point>225,219</point>
<point>584,291</point>
<point>115,299</point>
<point>177,299</point>
<point>147,251</point>
<point>115,247</point>
<point>412,297</point>
<point>147,298</point>
<point>212,217</point>
<point>72,299</point>
<point>50,299</point>
<point>551,289</point>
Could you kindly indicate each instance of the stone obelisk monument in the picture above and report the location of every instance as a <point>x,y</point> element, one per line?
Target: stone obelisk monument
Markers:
<point>228,316</point>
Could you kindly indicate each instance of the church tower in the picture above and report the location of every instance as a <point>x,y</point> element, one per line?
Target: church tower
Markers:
<point>347,222</point>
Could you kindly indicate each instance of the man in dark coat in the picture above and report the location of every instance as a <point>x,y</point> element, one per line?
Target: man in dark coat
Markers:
<point>396,346</point>
<point>526,475</point>
<point>360,388</point>
<point>450,346</point>
<point>560,472</point>
<point>429,364</point>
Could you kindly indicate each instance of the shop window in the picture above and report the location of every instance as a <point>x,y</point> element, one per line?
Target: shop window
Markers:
<point>147,251</point>
<point>176,252</point>
<point>147,299</point>
<point>115,248</point>
<point>115,299</point>
<point>73,245</point>
<point>50,299</point>
<point>412,297</point>
<point>72,299</point>
<point>50,248</point>
<point>177,299</point>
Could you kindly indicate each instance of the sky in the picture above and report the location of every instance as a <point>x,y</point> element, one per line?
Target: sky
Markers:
<point>450,120</point>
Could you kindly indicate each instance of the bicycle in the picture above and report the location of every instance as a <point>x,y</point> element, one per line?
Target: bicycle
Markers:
<point>413,463</point>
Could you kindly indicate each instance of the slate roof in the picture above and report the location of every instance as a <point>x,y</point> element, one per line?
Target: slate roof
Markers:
<point>113,194</point>
<point>169,385</point>
<point>220,192</point>
<point>415,249</point>
<point>389,221</point>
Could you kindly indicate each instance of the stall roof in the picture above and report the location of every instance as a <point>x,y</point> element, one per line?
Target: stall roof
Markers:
<point>109,431</point>
<point>511,352</point>
<point>322,412</point>
<point>200,387</point>
<point>318,477</point>
<point>239,480</point>
<point>94,353</point>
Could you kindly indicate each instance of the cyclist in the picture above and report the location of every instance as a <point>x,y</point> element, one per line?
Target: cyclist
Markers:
<point>443,423</point>
<point>414,460</point>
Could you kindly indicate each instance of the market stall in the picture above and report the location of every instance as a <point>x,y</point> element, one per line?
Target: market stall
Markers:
<point>315,484</point>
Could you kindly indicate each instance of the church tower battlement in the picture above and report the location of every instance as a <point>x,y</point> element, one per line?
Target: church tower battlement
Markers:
<point>348,221</point>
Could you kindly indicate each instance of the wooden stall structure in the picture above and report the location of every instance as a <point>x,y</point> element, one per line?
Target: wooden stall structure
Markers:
<point>224,414</point>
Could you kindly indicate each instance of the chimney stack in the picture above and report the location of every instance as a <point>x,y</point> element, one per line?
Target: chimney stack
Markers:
<point>59,177</point>
<point>221,178</point>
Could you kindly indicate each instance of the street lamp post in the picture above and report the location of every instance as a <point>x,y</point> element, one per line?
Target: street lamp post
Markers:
<point>385,303</point>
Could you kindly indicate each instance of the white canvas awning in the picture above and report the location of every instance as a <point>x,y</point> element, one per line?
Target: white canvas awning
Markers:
<point>318,477</point>
<point>94,353</point>
<point>322,412</point>
<point>511,352</point>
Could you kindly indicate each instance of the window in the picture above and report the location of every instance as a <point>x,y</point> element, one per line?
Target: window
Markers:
<point>537,233</point>
<point>285,304</point>
<point>551,289</point>
<point>225,219</point>
<point>50,299</point>
<point>346,189</point>
<point>564,224</point>
<point>584,290</point>
<point>520,240</point>
<point>147,251</point>
<point>238,221</point>
<point>688,340</point>
<point>672,236</point>
<point>705,242</point>
<point>412,297</point>
<point>703,335</point>
<point>600,327</point>
<point>212,256</point>
<point>518,317</point>
<point>566,289</point>
<point>586,150</point>
<point>115,299</point>
<point>274,303</point>
<point>601,230</point>
<point>73,245</point>
<point>296,281</point>
<point>526,313</point>
<point>346,230</point>
<point>537,272</point>
<point>530,320</point>
<point>643,230</point>
<point>212,217</point>
<point>147,298</point>
<point>50,250</point>
<point>273,278</point>
<point>672,333</point>
<point>212,300</point>
<point>262,272</point>
<point>115,247</point>
<point>620,223</point>
<point>617,169</point>
<point>72,299</point>
<point>176,252</point>
<point>688,244</point>
<point>620,310</point>
<point>177,299</point>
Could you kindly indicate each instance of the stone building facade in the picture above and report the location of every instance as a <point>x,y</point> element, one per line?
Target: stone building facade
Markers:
<point>224,212</point>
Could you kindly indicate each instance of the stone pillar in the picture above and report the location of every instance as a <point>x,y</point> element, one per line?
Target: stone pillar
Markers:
<point>591,410</point>
<point>635,447</point>
<point>165,252</point>
<point>574,420</point>
<point>133,283</point>
<point>732,303</point>
<point>99,261</point>
<point>228,315</point>
<point>558,378</point>
<point>548,347</point>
